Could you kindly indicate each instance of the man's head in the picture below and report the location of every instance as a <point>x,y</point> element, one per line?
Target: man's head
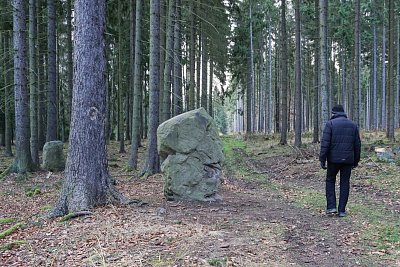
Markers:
<point>337,109</point>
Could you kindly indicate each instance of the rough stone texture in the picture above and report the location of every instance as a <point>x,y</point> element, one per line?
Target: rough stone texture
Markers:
<point>53,156</point>
<point>191,154</point>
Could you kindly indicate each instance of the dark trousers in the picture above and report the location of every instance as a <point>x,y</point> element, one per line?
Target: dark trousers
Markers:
<point>345,172</point>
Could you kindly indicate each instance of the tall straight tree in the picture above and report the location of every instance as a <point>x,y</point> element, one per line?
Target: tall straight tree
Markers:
<point>87,182</point>
<point>69,59</point>
<point>7,96</point>
<point>383,105</point>
<point>137,83</point>
<point>284,73</point>
<point>177,96</point>
<point>323,70</point>
<point>204,60</point>
<point>391,74</point>
<point>33,81</point>
<point>192,57</point>
<point>166,104</point>
<point>23,160</point>
<point>250,78</point>
<point>374,113</point>
<point>357,73</point>
<point>152,161</point>
<point>316,101</point>
<point>51,134</point>
<point>298,97</point>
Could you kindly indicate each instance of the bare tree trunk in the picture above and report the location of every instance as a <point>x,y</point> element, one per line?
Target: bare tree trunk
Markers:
<point>357,81</point>
<point>391,74</point>
<point>121,91</point>
<point>323,4</point>
<point>7,96</point>
<point>52,78</point>
<point>204,60</point>
<point>33,82</point>
<point>23,161</point>
<point>192,57</point>
<point>168,62</point>
<point>152,161</point>
<point>270,106</point>
<point>210,90</point>
<point>137,97</point>
<point>198,66</point>
<point>298,94</point>
<point>284,73</point>
<point>69,60</point>
<point>177,108</point>
<point>383,106</point>
<point>87,181</point>
<point>374,115</point>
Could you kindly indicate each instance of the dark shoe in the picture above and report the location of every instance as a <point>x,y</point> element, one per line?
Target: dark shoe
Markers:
<point>331,211</point>
<point>342,214</point>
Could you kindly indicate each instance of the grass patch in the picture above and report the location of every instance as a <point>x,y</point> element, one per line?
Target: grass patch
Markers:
<point>7,220</point>
<point>10,230</point>
<point>218,262</point>
<point>231,143</point>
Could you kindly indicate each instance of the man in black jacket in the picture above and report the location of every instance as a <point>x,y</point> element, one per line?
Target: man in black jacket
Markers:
<point>340,147</point>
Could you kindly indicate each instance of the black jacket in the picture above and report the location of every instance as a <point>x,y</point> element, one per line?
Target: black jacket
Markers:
<point>340,141</point>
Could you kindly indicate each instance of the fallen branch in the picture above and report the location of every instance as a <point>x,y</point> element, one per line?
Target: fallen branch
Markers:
<point>379,167</point>
<point>72,215</point>
<point>10,230</point>
<point>6,172</point>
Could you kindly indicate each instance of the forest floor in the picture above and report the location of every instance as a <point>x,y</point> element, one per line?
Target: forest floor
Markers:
<point>272,214</point>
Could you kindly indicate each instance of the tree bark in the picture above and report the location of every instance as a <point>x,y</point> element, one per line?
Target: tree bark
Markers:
<point>177,97</point>
<point>284,73</point>
<point>33,82</point>
<point>323,4</point>
<point>298,95</point>
<point>204,61</point>
<point>87,181</point>
<point>23,161</point>
<point>152,161</point>
<point>137,97</point>
<point>391,74</point>
<point>51,73</point>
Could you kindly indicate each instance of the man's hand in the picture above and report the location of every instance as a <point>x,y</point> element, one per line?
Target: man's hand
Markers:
<point>323,165</point>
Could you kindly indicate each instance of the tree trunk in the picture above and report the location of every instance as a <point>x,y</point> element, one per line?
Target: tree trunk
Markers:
<point>87,181</point>
<point>198,67</point>
<point>7,96</point>
<point>298,95</point>
<point>69,60</point>
<point>166,104</point>
<point>23,161</point>
<point>33,82</point>
<point>137,97</point>
<point>284,73</point>
<point>323,60</point>
<point>374,115</point>
<point>316,113</point>
<point>391,74</point>
<point>383,106</point>
<point>121,93</point>
<point>192,58</point>
<point>204,60</point>
<point>357,57</point>
<point>270,107</point>
<point>152,161</point>
<point>52,78</point>
<point>177,108</point>
<point>210,91</point>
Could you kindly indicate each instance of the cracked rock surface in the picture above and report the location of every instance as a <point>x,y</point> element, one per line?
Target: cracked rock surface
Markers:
<point>191,154</point>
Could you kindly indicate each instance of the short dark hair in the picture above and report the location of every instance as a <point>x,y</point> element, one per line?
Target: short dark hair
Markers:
<point>337,108</point>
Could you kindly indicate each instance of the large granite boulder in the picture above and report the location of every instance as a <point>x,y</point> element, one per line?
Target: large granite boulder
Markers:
<point>191,154</point>
<point>53,156</point>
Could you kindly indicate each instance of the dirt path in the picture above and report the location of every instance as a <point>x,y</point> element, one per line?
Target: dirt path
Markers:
<point>257,224</point>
